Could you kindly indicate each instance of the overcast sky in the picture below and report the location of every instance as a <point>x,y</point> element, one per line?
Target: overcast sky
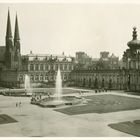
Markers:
<point>62,27</point>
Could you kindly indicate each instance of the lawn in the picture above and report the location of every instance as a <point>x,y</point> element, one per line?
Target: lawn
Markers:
<point>4,119</point>
<point>103,104</point>
<point>132,128</point>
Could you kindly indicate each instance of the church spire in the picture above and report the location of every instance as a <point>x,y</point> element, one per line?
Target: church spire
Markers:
<point>9,31</point>
<point>16,35</point>
<point>134,33</point>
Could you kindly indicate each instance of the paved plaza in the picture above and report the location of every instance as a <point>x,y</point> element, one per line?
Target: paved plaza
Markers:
<point>33,120</point>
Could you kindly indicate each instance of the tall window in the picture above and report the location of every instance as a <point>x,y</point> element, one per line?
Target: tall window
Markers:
<point>36,67</point>
<point>41,77</point>
<point>41,67</point>
<point>37,77</point>
<point>64,77</point>
<point>70,67</point>
<point>51,67</point>
<point>46,77</point>
<point>32,78</point>
<point>65,67</point>
<point>31,67</point>
<point>61,67</point>
<point>46,67</point>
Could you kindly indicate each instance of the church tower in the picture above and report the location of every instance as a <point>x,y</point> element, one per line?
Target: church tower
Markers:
<point>17,55</point>
<point>12,53</point>
<point>9,44</point>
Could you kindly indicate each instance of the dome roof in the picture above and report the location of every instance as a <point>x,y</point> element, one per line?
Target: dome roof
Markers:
<point>134,42</point>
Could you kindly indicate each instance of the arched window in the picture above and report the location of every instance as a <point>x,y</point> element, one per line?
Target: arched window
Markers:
<point>37,77</point>
<point>36,67</point>
<point>46,77</point>
<point>51,67</point>
<point>32,78</point>
<point>31,67</point>
<point>41,77</point>
<point>64,77</point>
<point>72,67</point>
<point>46,67</point>
<point>65,67</point>
<point>69,67</point>
<point>41,67</point>
<point>61,67</point>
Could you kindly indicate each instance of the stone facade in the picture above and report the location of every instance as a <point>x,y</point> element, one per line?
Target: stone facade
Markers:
<point>98,79</point>
<point>125,78</point>
<point>43,68</point>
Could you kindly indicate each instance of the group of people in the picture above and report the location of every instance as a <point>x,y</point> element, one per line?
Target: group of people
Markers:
<point>101,90</point>
<point>36,97</point>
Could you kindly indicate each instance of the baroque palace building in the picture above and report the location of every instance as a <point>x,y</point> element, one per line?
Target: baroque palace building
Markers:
<point>126,77</point>
<point>41,68</point>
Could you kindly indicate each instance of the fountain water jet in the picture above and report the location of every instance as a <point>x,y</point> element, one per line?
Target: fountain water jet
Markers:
<point>58,88</point>
<point>27,85</point>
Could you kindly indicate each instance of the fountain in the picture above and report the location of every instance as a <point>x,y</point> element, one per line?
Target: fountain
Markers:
<point>58,99</point>
<point>27,85</point>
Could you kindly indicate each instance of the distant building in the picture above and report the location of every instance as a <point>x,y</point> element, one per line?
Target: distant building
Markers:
<point>107,61</point>
<point>83,58</point>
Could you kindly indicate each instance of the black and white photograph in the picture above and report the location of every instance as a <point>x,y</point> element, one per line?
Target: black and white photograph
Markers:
<point>70,69</point>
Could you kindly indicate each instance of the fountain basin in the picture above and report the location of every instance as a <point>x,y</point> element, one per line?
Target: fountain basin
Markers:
<point>53,102</point>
